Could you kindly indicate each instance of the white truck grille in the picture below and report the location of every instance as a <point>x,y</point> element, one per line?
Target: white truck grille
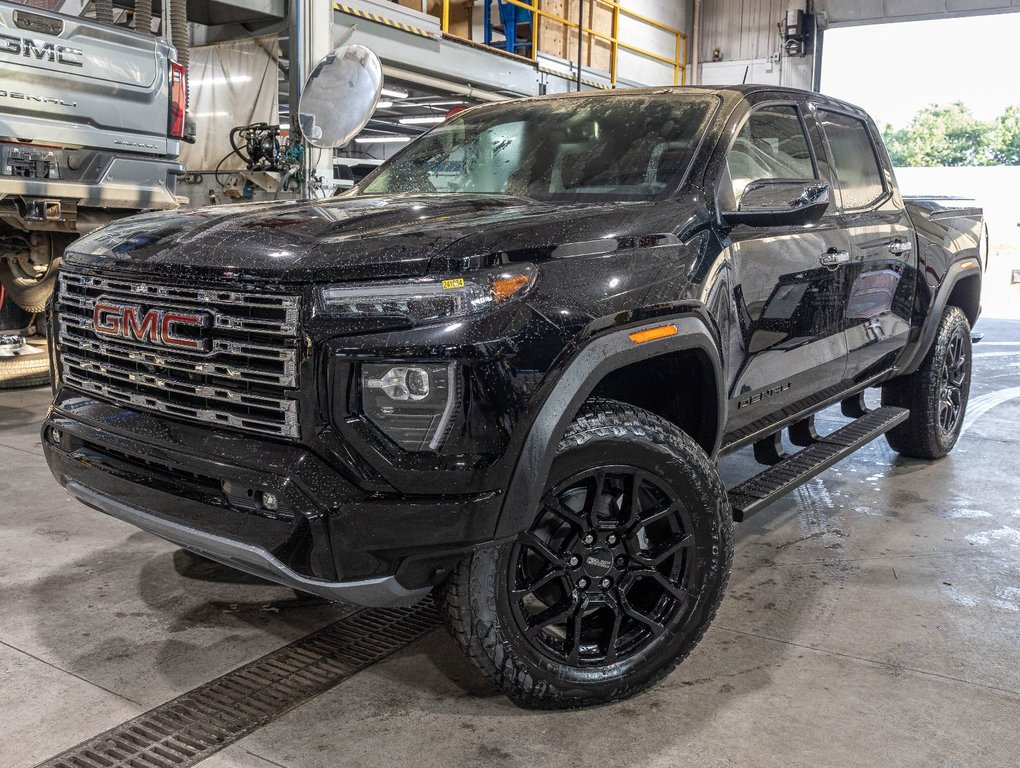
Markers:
<point>242,372</point>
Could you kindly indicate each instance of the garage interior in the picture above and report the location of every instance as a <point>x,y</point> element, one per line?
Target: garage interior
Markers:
<point>872,617</point>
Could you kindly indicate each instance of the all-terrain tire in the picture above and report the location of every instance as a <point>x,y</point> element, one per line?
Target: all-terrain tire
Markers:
<point>22,371</point>
<point>476,601</point>
<point>936,393</point>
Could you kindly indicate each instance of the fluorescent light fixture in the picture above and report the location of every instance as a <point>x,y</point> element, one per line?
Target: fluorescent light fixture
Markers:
<point>394,93</point>
<point>384,105</point>
<point>211,114</point>
<point>422,120</point>
<point>382,139</point>
<point>213,80</point>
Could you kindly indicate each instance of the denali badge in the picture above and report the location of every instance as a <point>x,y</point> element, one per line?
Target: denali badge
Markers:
<point>38,49</point>
<point>160,327</point>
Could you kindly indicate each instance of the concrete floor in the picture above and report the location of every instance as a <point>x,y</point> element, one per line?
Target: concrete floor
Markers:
<point>873,619</point>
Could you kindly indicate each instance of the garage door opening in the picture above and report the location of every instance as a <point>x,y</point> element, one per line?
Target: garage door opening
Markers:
<point>943,92</point>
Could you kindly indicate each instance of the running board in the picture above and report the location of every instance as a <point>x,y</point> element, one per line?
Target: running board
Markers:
<point>758,492</point>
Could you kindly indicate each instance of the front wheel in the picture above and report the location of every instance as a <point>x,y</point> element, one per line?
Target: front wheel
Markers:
<point>618,575</point>
<point>936,393</point>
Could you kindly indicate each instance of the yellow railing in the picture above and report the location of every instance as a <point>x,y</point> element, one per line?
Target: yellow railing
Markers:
<point>678,60</point>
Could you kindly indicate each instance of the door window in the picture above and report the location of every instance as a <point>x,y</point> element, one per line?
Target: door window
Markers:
<point>771,145</point>
<point>858,172</point>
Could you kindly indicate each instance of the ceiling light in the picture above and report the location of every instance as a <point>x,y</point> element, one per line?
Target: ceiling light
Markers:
<point>217,80</point>
<point>382,139</point>
<point>384,105</point>
<point>422,120</point>
<point>393,93</point>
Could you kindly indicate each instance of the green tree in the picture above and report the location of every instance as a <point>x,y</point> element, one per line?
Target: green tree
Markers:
<point>946,135</point>
<point>896,142</point>
<point>1005,137</point>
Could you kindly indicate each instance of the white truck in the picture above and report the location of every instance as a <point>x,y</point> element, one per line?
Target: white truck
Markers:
<point>92,114</point>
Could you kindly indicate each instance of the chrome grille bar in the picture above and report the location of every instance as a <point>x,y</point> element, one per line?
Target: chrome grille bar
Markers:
<point>246,380</point>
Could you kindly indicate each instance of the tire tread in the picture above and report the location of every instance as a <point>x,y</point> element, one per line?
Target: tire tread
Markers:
<point>479,640</point>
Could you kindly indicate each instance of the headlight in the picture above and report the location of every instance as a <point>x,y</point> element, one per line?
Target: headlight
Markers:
<point>412,403</point>
<point>429,299</point>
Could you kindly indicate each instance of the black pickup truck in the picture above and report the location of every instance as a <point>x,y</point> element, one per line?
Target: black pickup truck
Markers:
<point>503,367</point>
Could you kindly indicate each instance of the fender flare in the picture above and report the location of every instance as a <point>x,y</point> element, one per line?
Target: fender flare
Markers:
<point>954,275</point>
<point>586,369</point>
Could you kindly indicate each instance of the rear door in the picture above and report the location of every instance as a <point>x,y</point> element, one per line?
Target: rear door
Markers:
<point>881,274</point>
<point>787,304</point>
<point>76,82</point>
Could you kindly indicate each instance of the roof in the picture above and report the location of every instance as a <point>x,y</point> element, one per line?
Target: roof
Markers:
<point>727,92</point>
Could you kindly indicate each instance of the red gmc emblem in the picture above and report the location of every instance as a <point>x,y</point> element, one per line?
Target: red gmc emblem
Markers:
<point>159,327</point>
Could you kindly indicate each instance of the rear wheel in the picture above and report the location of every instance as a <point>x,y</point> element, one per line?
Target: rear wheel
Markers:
<point>617,577</point>
<point>29,271</point>
<point>936,394</point>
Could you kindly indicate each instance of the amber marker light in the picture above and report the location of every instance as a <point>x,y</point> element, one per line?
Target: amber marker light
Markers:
<point>651,334</point>
<point>505,287</point>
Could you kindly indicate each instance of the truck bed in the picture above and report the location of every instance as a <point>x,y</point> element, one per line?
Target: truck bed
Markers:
<point>69,82</point>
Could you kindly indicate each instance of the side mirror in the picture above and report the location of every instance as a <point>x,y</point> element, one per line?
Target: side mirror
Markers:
<point>340,96</point>
<point>780,203</point>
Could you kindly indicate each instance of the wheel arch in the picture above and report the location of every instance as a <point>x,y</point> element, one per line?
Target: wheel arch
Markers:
<point>966,294</point>
<point>960,288</point>
<point>679,386</point>
<point>614,365</point>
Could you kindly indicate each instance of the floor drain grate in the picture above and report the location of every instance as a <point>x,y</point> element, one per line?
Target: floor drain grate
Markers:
<point>193,726</point>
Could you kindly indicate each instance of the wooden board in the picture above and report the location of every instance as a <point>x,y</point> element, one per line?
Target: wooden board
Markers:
<point>556,39</point>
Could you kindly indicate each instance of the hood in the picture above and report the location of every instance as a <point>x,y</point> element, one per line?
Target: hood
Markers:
<point>346,238</point>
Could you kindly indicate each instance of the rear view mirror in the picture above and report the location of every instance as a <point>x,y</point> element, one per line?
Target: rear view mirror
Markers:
<point>780,202</point>
<point>340,96</point>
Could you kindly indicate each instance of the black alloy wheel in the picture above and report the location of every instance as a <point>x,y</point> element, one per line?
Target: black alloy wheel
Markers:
<point>952,377</point>
<point>606,567</point>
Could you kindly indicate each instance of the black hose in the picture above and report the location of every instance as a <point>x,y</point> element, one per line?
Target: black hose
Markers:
<point>216,173</point>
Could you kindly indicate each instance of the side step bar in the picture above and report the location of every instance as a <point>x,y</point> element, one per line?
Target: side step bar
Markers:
<point>758,492</point>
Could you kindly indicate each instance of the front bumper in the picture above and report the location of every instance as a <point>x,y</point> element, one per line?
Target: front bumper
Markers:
<point>200,489</point>
<point>248,557</point>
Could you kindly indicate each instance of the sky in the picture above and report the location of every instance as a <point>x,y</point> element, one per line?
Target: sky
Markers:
<point>894,70</point>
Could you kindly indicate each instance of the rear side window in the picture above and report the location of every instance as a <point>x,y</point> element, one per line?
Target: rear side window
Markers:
<point>853,153</point>
<point>771,145</point>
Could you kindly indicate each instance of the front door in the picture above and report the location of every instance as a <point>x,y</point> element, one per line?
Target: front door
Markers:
<point>786,300</point>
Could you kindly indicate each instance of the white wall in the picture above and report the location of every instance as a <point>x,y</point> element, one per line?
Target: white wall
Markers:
<point>746,34</point>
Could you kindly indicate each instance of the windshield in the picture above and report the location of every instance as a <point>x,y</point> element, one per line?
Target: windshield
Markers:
<point>589,148</point>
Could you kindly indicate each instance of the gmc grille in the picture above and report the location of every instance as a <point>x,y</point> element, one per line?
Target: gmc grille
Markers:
<point>246,380</point>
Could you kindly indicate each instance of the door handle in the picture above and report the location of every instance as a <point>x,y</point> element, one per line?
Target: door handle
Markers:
<point>898,247</point>
<point>834,258</point>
